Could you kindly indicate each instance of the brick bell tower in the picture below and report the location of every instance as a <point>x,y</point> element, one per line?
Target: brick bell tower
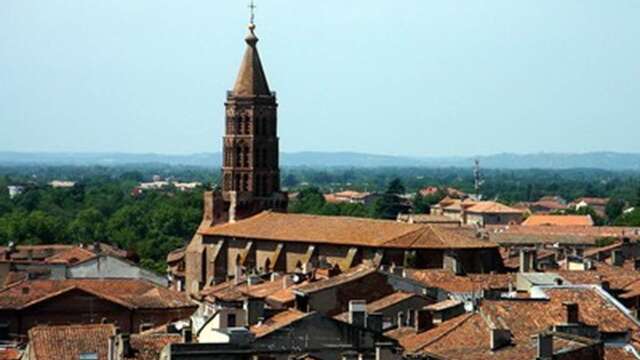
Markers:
<point>250,181</point>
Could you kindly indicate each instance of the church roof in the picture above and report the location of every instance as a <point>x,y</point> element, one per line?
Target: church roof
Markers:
<point>350,231</point>
<point>251,80</point>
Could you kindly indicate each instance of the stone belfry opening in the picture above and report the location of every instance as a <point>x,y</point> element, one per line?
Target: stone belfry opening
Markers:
<point>250,181</point>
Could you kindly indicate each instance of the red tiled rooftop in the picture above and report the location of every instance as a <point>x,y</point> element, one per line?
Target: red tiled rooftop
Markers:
<point>382,303</point>
<point>492,207</point>
<point>148,346</point>
<point>277,322</point>
<point>448,281</point>
<point>348,231</point>
<point>10,354</point>
<point>130,293</point>
<point>522,235</point>
<point>558,220</point>
<point>467,336</point>
<point>67,342</point>
<point>71,256</point>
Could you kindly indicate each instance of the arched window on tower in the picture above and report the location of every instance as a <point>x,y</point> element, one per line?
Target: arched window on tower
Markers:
<point>238,125</point>
<point>236,183</point>
<point>245,182</point>
<point>247,126</point>
<point>245,156</point>
<point>238,156</point>
<point>257,188</point>
<point>258,161</point>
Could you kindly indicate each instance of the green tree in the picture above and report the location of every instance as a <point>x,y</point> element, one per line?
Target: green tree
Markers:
<point>390,204</point>
<point>309,201</point>
<point>396,187</point>
<point>88,227</point>
<point>614,209</point>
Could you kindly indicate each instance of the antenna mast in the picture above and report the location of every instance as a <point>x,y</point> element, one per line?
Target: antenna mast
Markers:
<point>478,180</point>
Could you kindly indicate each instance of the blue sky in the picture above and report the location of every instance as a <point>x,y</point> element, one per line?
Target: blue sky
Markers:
<point>406,77</point>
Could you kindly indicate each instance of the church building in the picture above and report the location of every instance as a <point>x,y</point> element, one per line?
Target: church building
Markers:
<point>245,226</point>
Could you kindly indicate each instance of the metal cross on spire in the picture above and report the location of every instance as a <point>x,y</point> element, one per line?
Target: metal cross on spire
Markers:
<point>252,7</point>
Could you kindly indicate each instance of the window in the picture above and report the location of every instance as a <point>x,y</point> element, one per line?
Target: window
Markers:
<point>89,356</point>
<point>245,182</point>
<point>231,320</point>
<point>4,331</point>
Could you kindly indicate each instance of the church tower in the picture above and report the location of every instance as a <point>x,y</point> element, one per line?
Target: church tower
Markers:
<point>250,181</point>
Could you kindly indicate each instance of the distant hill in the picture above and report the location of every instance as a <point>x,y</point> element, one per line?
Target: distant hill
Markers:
<point>595,160</point>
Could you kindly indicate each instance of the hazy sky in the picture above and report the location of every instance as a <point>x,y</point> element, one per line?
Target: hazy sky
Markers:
<point>410,77</point>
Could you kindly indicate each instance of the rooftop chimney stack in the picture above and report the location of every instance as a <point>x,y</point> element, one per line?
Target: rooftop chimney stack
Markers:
<point>528,260</point>
<point>617,258</point>
<point>357,313</point>
<point>500,338</point>
<point>571,311</point>
<point>423,320</point>
<point>545,346</point>
<point>187,335</point>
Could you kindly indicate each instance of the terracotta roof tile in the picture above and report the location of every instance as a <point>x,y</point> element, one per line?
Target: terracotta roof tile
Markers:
<point>131,293</point>
<point>10,354</point>
<point>558,220</point>
<point>522,235</point>
<point>343,278</point>
<point>492,207</point>
<point>348,231</point>
<point>67,342</point>
<point>618,277</point>
<point>382,303</point>
<point>448,281</point>
<point>278,322</point>
<point>467,336</point>
<point>176,255</point>
<point>149,346</point>
<point>443,305</point>
<point>71,256</point>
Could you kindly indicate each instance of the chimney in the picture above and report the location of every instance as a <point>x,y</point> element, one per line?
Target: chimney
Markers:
<point>187,335</point>
<point>636,264</point>
<point>375,322</point>
<point>545,346</point>
<point>457,267</point>
<point>423,320</point>
<point>255,310</point>
<point>127,350</point>
<point>97,248</point>
<point>617,258</point>
<point>571,312</point>
<point>357,313</point>
<point>500,338</point>
<point>401,319</point>
<point>528,260</point>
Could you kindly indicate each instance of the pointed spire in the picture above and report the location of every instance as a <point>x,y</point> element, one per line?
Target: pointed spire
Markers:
<point>251,80</point>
